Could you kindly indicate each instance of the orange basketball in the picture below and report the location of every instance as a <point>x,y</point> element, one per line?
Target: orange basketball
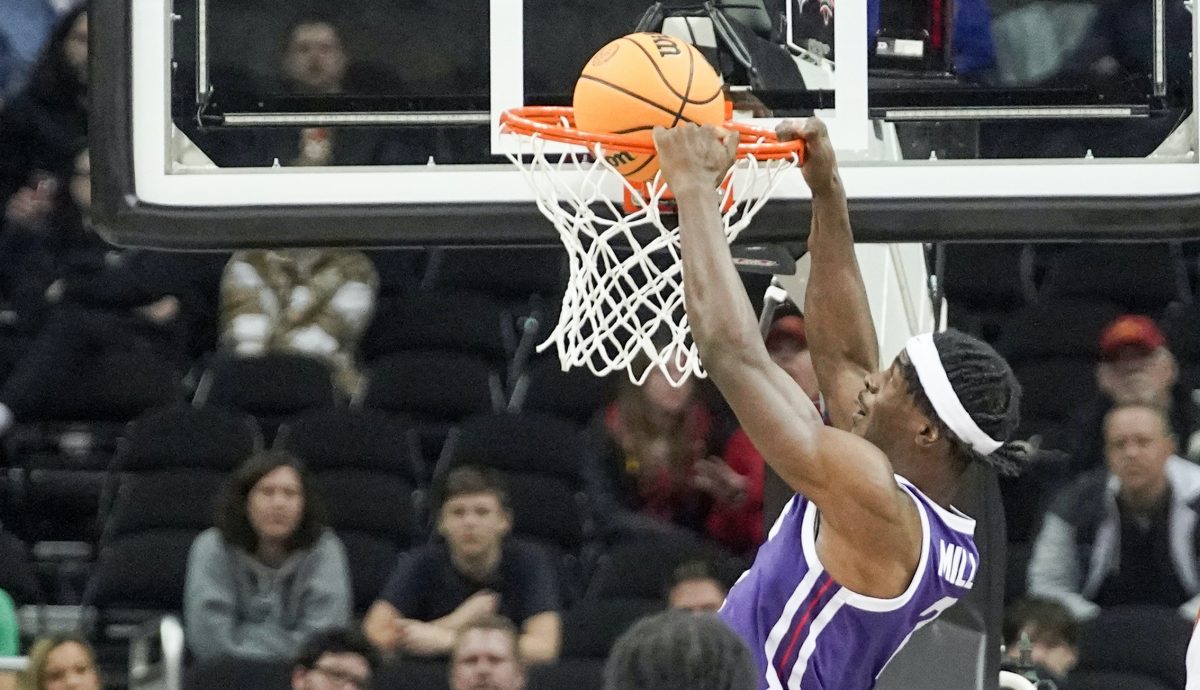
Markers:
<point>641,81</point>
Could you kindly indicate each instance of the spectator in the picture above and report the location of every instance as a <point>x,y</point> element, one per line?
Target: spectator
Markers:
<point>696,588</point>
<point>335,658</point>
<point>736,518</point>
<point>1135,367</point>
<point>1126,536</point>
<point>1053,635</point>
<point>61,663</point>
<point>270,574</point>
<point>72,297</point>
<point>316,302</point>
<point>43,124</point>
<point>675,650</point>
<point>485,657</point>
<point>642,465</point>
<point>10,637</point>
<point>437,590</point>
<point>24,27</point>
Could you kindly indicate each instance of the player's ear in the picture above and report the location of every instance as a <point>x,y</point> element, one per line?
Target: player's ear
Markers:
<point>927,433</point>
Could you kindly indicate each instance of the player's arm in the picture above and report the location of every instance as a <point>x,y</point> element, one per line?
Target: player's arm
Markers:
<point>837,316</point>
<point>849,479</point>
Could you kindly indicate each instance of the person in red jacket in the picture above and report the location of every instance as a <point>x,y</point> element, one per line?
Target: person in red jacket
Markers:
<point>736,479</point>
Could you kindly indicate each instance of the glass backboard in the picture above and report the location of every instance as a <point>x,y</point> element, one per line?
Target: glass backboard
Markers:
<point>217,122</point>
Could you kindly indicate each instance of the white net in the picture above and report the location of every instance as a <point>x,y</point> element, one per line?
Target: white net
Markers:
<point>623,307</point>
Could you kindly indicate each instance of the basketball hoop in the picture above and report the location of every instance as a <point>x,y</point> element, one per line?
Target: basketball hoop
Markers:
<point>624,300</point>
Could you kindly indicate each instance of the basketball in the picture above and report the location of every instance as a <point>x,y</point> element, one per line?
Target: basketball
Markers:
<point>641,81</point>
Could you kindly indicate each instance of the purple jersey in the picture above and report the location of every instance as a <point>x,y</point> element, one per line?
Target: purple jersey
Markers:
<point>808,632</point>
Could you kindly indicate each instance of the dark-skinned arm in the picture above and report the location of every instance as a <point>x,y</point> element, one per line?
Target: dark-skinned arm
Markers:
<point>837,316</point>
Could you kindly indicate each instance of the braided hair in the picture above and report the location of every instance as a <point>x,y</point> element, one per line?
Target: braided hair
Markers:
<point>988,391</point>
<point>677,650</point>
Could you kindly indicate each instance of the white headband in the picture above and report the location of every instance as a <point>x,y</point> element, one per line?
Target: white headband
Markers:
<point>924,357</point>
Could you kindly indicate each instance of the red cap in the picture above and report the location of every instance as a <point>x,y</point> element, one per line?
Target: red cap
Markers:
<point>790,327</point>
<point>1130,331</point>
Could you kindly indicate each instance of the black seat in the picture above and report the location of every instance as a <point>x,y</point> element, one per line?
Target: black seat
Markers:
<point>592,626</point>
<point>463,322</point>
<point>360,460</point>
<point>1108,680</point>
<point>270,387</point>
<point>17,575</point>
<point>433,390</point>
<point>1142,277</point>
<point>513,274</point>
<point>208,674</point>
<point>577,674</point>
<point>1147,641</point>
<point>576,394</point>
<point>982,283</point>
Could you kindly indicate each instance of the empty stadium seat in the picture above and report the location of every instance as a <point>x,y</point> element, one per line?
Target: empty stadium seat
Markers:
<point>463,322</point>
<point>576,394</point>
<point>270,387</point>
<point>362,465</point>
<point>983,282</point>
<point>1146,641</point>
<point>1142,277</point>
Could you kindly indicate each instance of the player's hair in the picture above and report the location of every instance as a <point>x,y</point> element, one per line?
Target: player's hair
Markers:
<point>678,650</point>
<point>1046,621</point>
<point>470,479</point>
<point>988,391</point>
<point>336,641</point>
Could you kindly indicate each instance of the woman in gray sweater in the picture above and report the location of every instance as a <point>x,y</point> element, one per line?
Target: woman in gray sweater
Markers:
<point>270,573</point>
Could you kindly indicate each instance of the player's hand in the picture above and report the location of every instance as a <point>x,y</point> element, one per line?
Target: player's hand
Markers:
<point>820,162</point>
<point>693,156</point>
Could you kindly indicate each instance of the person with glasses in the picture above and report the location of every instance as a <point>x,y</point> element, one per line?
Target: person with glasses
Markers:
<point>335,658</point>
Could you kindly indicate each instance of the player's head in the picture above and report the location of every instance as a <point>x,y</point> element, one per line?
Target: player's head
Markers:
<point>678,650</point>
<point>946,395</point>
<point>314,59</point>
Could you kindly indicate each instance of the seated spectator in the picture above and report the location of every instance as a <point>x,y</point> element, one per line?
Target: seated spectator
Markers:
<point>675,650</point>
<point>736,518</point>
<point>270,574</point>
<point>335,658</point>
<point>642,462</point>
<point>10,636</point>
<point>316,302</point>
<point>42,124</point>
<point>61,663</point>
<point>485,657</point>
<point>1053,637</point>
<point>695,588</point>
<point>478,572</point>
<point>72,297</point>
<point>1126,536</point>
<point>1135,367</point>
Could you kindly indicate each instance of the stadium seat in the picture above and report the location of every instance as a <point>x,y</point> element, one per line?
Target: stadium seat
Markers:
<point>982,283</point>
<point>576,674</point>
<point>1116,680</point>
<point>414,673</point>
<point>433,390</point>
<point>462,322</point>
<point>1145,641</point>
<point>591,626</point>
<point>17,576</point>
<point>513,274</point>
<point>1142,277</point>
<point>271,387</point>
<point>239,673</point>
<point>544,387</point>
<point>362,465</point>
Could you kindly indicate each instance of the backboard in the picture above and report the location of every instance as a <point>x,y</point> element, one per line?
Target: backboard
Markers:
<point>199,140</point>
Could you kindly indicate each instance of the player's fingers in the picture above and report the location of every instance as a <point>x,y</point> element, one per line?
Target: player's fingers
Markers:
<point>787,130</point>
<point>813,130</point>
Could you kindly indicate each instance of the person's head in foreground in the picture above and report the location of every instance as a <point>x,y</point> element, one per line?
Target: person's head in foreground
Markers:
<point>678,650</point>
<point>1053,635</point>
<point>271,508</point>
<point>1135,364</point>
<point>475,517</point>
<point>61,663</point>
<point>340,658</point>
<point>485,657</point>
<point>695,588</point>
<point>947,400</point>
<point>1137,444</point>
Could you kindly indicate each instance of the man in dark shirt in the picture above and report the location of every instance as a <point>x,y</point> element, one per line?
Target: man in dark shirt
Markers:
<point>436,590</point>
<point>1126,536</point>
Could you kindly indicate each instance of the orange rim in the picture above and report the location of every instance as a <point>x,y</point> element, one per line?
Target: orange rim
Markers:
<point>548,122</point>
